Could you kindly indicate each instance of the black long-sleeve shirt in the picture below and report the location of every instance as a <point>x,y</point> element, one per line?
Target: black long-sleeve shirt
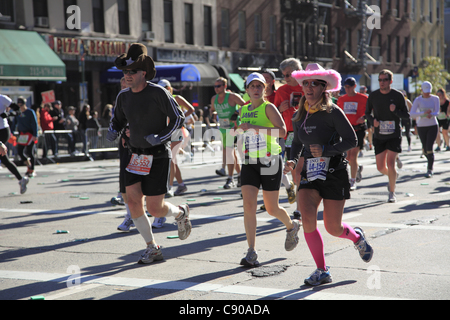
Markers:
<point>332,130</point>
<point>380,103</point>
<point>147,112</point>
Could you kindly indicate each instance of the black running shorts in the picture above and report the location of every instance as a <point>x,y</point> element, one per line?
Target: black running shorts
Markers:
<point>258,175</point>
<point>156,182</point>
<point>336,187</point>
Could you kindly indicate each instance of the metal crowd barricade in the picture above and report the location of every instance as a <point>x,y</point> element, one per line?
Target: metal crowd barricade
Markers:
<point>96,141</point>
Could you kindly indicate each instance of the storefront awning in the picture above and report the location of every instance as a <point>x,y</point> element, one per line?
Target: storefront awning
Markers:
<point>238,81</point>
<point>24,55</point>
<point>202,74</point>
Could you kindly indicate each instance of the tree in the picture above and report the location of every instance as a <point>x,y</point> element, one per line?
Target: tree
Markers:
<point>433,70</point>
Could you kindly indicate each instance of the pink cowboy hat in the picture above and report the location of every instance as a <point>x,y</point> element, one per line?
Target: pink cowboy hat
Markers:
<point>315,71</point>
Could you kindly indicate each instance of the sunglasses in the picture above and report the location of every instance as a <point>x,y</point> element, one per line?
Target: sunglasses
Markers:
<point>384,80</point>
<point>132,72</point>
<point>314,83</point>
<point>218,86</point>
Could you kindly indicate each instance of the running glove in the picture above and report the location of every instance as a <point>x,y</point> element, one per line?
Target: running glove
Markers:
<point>153,139</point>
<point>112,135</point>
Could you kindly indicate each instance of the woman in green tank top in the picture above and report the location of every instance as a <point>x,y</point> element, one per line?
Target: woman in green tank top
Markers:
<point>261,125</point>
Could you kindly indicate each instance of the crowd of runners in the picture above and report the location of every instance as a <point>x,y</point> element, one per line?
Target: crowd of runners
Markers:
<point>299,136</point>
<point>297,130</point>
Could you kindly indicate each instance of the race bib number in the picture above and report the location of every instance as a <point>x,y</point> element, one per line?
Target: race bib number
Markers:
<point>140,164</point>
<point>289,140</point>
<point>224,123</point>
<point>317,168</point>
<point>350,107</point>
<point>24,139</point>
<point>387,127</point>
<point>254,142</point>
<point>442,116</point>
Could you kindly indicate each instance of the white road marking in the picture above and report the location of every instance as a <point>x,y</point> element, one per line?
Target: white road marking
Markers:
<point>95,282</point>
<point>347,216</point>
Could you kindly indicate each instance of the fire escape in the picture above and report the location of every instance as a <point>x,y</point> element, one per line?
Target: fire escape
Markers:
<point>306,27</point>
<point>366,54</point>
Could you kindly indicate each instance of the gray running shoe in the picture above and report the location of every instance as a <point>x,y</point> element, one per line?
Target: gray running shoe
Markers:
<point>229,184</point>
<point>152,253</point>
<point>319,277</point>
<point>364,248</point>
<point>292,237</point>
<point>392,198</point>
<point>184,224</point>
<point>158,223</point>
<point>126,224</point>
<point>359,174</point>
<point>251,259</point>
<point>23,184</point>
<point>180,190</point>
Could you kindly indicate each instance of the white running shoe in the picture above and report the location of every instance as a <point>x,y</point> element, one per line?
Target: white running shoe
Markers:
<point>126,224</point>
<point>152,253</point>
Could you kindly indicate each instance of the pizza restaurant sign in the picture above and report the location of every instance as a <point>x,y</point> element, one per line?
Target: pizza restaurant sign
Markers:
<point>91,47</point>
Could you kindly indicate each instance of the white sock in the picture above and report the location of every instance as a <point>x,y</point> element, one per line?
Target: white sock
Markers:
<point>145,229</point>
<point>174,211</point>
<point>128,210</point>
<point>285,181</point>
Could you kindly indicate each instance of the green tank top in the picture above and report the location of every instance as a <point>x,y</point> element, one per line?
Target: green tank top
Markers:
<point>258,145</point>
<point>225,111</point>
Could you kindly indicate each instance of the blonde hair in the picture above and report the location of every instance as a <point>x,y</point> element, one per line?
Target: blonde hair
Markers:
<point>326,104</point>
<point>223,80</point>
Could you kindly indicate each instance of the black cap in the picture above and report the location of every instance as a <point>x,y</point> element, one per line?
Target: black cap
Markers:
<point>350,81</point>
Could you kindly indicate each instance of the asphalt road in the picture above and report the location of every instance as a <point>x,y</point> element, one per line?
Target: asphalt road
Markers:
<point>94,261</point>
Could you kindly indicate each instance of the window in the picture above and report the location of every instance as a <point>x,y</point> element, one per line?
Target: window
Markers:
<point>258,27</point>
<point>301,40</point>
<point>397,49</point>
<point>146,7</point>
<point>414,50</point>
<point>413,10</point>
<point>98,15</point>
<point>7,10</point>
<point>188,23</point>
<point>242,30</point>
<point>422,49</point>
<point>273,33</point>
<point>406,47</point>
<point>430,10</point>
<point>337,42</point>
<point>207,25</point>
<point>168,21</point>
<point>225,28</point>
<point>389,49</point>
<point>124,22</point>
<point>40,13</point>
<point>288,38</point>
<point>438,49</point>
<point>348,40</point>
<point>430,47</point>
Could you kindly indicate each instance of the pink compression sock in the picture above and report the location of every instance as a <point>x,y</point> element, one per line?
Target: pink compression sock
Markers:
<point>349,233</point>
<point>315,244</point>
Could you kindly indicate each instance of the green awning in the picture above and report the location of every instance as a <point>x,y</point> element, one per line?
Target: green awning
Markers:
<point>24,55</point>
<point>238,81</point>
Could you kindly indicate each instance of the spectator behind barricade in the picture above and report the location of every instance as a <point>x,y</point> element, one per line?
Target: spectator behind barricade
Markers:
<point>47,124</point>
<point>92,135</point>
<point>58,116</point>
<point>106,116</point>
<point>72,125</point>
<point>85,115</point>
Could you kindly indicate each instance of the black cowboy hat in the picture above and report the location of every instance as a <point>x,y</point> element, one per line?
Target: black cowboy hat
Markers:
<point>137,59</point>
